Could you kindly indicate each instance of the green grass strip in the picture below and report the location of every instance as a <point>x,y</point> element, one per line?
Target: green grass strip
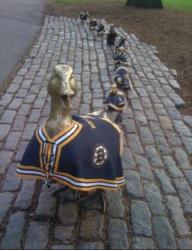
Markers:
<point>178,4</point>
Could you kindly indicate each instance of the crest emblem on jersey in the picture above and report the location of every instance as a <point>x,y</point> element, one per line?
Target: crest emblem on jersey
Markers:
<point>100,155</point>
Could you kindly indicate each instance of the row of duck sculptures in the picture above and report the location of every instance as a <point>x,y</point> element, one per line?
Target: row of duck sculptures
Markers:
<point>115,101</point>
<point>83,153</point>
<point>114,39</point>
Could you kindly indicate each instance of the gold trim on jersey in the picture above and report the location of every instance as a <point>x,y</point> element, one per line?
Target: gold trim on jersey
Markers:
<point>115,107</point>
<point>59,135</point>
<point>72,181</point>
<point>41,148</point>
<point>87,188</point>
<point>91,179</point>
<point>60,146</point>
<point>119,131</point>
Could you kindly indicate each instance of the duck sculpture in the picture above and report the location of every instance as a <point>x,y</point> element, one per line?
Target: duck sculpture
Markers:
<point>81,152</point>
<point>121,59</point>
<point>112,35</point>
<point>115,102</point>
<point>121,45</point>
<point>100,28</point>
<point>122,79</point>
<point>93,24</point>
<point>84,16</point>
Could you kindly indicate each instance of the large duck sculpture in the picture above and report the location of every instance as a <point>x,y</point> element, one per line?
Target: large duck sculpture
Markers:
<point>80,152</point>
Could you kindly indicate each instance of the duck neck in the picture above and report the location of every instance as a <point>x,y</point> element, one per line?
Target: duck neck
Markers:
<point>60,115</point>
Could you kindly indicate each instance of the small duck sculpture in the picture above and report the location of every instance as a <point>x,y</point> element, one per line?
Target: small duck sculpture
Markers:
<point>112,35</point>
<point>122,79</point>
<point>93,24</point>
<point>84,16</point>
<point>100,28</point>
<point>121,45</point>
<point>121,59</point>
<point>115,102</point>
<point>81,152</point>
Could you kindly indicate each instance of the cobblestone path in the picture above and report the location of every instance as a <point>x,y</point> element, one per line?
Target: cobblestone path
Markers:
<point>154,210</point>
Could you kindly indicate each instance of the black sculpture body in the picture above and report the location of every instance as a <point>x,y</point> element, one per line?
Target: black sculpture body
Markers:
<point>100,29</point>
<point>92,24</point>
<point>111,36</point>
<point>115,102</point>
<point>84,16</point>
<point>122,79</point>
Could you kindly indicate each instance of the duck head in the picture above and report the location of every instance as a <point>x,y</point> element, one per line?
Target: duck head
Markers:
<point>62,85</point>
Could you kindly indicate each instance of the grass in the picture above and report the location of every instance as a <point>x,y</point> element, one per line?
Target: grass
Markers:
<point>175,4</point>
<point>88,1</point>
<point>178,4</point>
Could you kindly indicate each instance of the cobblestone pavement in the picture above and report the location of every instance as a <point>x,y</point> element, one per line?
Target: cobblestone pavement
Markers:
<point>154,210</point>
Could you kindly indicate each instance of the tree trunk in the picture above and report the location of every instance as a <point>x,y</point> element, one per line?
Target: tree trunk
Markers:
<point>145,3</point>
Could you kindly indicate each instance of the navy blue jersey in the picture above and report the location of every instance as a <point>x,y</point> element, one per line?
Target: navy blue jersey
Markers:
<point>84,157</point>
<point>115,102</point>
<point>122,79</point>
